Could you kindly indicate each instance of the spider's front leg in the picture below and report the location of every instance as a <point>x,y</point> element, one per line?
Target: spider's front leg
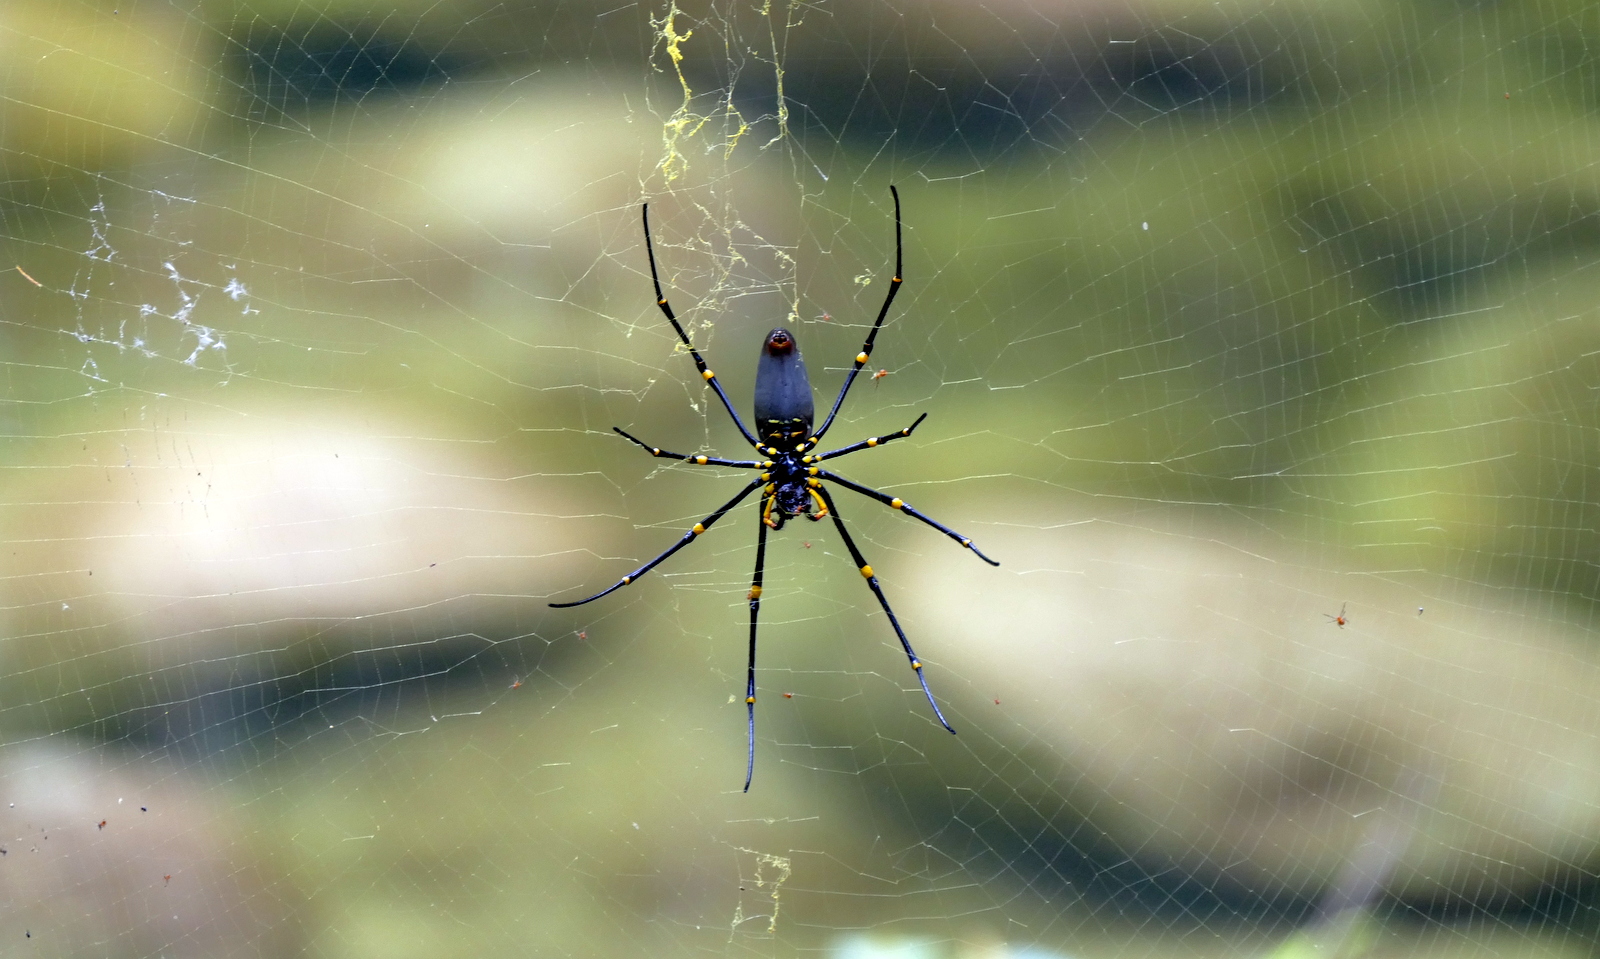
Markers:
<point>865,569</point>
<point>689,537</point>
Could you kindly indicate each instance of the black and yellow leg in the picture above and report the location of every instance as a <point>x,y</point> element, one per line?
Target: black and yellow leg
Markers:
<point>766,509</point>
<point>696,460</point>
<point>866,444</point>
<point>895,502</point>
<point>866,347</point>
<point>822,508</point>
<point>689,537</point>
<point>872,583</point>
<point>700,364</point>
<point>750,678</point>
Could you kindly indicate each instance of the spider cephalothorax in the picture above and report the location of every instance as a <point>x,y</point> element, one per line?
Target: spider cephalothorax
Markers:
<point>790,478</point>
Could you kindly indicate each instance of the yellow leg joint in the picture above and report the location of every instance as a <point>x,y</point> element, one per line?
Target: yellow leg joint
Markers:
<point>750,700</point>
<point>861,357</point>
<point>701,460</point>
<point>897,503</point>
<point>872,442</point>
<point>708,374</point>
<point>755,592</point>
<point>866,571</point>
<point>917,665</point>
<point>698,529</point>
<point>626,580</point>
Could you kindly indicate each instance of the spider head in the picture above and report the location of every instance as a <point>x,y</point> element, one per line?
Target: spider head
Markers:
<point>784,408</point>
<point>793,499</point>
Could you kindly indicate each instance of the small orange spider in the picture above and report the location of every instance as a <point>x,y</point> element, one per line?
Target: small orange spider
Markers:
<point>788,695</point>
<point>517,684</point>
<point>878,376</point>
<point>1339,620</point>
<point>102,824</point>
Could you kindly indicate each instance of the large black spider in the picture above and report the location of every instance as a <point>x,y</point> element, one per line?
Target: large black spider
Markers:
<point>791,478</point>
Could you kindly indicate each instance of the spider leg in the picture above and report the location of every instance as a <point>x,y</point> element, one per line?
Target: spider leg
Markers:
<point>872,583</point>
<point>697,460</point>
<point>755,611</point>
<point>699,364</point>
<point>688,538</point>
<point>866,348</point>
<point>895,502</point>
<point>867,443</point>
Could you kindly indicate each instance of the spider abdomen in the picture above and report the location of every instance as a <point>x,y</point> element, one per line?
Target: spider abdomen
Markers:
<point>784,408</point>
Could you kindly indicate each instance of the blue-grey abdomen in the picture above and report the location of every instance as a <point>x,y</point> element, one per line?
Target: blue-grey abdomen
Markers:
<point>784,408</point>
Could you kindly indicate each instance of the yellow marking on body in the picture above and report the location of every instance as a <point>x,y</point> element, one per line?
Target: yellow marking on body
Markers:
<point>708,374</point>
<point>897,503</point>
<point>872,442</point>
<point>866,571</point>
<point>861,357</point>
<point>698,529</point>
<point>701,460</point>
<point>755,592</point>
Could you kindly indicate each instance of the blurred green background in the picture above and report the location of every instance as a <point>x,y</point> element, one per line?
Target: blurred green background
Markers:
<point>1230,318</point>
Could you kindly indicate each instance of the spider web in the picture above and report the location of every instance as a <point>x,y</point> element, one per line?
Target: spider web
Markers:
<point>1258,342</point>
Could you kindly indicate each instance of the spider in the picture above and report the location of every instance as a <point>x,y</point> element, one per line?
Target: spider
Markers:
<point>1341,619</point>
<point>790,477</point>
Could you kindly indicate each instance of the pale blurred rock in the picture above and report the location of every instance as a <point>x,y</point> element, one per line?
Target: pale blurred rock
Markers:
<point>1192,675</point>
<point>105,854</point>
